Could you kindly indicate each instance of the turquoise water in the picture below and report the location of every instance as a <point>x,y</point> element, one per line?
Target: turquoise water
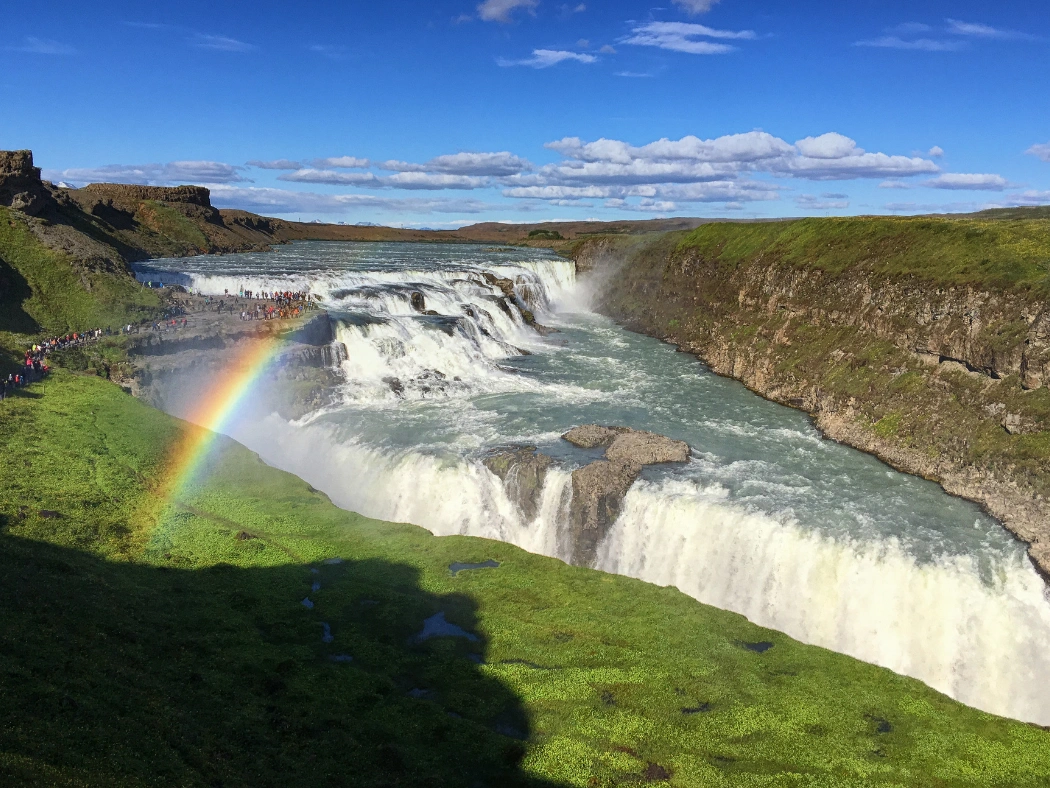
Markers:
<point>768,518</point>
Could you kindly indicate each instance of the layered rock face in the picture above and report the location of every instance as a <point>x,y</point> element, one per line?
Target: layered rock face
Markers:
<point>598,488</point>
<point>947,382</point>
<point>20,184</point>
<point>190,195</point>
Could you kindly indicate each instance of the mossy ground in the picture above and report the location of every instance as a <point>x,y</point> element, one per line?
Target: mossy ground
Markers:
<point>177,651</point>
<point>994,253</point>
<point>43,293</point>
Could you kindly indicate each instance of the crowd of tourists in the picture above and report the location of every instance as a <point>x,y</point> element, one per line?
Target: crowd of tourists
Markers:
<point>34,363</point>
<point>284,305</point>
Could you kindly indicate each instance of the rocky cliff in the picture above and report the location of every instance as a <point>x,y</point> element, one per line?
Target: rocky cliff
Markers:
<point>937,362</point>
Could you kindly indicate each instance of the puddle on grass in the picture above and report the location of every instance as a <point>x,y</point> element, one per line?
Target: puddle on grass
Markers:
<point>326,636</point>
<point>341,658</point>
<point>333,561</point>
<point>307,603</point>
<point>315,587</point>
<point>457,567</point>
<point>437,627</point>
<point>758,648</point>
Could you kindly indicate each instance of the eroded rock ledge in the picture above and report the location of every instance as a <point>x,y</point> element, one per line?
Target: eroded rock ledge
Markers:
<point>598,488</point>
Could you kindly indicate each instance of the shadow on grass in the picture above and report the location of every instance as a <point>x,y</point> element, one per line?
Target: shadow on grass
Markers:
<point>14,292</point>
<point>118,673</point>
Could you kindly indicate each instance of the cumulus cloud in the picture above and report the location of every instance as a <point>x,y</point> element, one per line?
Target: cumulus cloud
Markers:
<point>696,6</point>
<point>433,181</point>
<point>545,58</point>
<point>499,164</point>
<point>329,177</point>
<point>342,163</point>
<point>219,43</point>
<point>276,164</point>
<point>176,172</point>
<point>503,10</point>
<point>968,181</point>
<point>1041,151</point>
<point>685,37</point>
<point>282,201</point>
<point>935,152</point>
<point>44,46</point>
<point>827,157</point>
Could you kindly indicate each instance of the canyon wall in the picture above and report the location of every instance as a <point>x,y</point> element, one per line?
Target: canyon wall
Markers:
<point>940,378</point>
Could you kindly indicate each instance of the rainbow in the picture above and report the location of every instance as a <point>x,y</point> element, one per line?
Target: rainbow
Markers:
<point>213,413</point>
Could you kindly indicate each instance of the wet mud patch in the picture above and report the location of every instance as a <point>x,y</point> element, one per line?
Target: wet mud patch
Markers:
<point>458,567</point>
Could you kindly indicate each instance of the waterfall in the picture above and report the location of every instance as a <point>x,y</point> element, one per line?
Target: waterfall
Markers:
<point>441,365</point>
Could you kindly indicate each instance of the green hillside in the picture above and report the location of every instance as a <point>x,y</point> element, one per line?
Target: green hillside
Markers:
<point>44,292</point>
<point>177,651</point>
<point>1011,253</point>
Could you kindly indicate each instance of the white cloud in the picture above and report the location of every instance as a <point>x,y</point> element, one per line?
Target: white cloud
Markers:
<point>607,50</point>
<point>502,10</point>
<point>219,43</point>
<point>343,163</point>
<point>919,44</point>
<point>277,164</point>
<point>265,200</point>
<point>827,146</point>
<point>330,177</point>
<point>977,30</point>
<point>683,37</point>
<point>696,6</point>
<point>968,181</point>
<point>545,58</point>
<point>1030,197</point>
<point>44,46</point>
<point>431,180</point>
<point>811,202</point>
<point>1041,151</point>
<point>935,152</point>
<point>499,164</point>
<point>894,185</point>
<point>176,172</point>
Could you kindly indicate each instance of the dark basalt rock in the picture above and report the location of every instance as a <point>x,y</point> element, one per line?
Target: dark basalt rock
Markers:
<point>523,471</point>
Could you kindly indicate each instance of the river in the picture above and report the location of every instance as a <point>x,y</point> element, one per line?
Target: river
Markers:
<point>767,519</point>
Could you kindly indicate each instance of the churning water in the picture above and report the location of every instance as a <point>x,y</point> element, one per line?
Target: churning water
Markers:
<point>767,519</point>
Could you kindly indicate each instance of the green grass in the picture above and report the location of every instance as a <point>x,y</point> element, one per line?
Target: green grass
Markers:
<point>42,292</point>
<point>176,229</point>
<point>991,253</point>
<point>176,651</point>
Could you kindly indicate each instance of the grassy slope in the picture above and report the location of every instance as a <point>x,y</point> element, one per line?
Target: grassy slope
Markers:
<point>986,253</point>
<point>180,654</point>
<point>47,294</point>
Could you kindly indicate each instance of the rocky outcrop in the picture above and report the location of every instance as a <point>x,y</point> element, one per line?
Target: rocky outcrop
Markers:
<point>945,381</point>
<point>190,195</point>
<point>523,471</point>
<point>20,184</point>
<point>598,489</point>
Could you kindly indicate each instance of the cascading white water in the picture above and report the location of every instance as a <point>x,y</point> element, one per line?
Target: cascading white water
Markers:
<point>768,520</point>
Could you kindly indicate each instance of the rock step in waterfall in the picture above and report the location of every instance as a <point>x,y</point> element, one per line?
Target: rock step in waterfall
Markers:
<point>598,488</point>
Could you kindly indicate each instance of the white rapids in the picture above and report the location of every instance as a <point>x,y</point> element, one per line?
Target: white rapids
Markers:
<point>767,519</point>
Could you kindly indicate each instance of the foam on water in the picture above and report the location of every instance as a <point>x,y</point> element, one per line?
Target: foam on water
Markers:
<point>767,519</point>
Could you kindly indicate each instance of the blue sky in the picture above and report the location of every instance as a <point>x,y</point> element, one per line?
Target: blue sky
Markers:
<point>450,112</point>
